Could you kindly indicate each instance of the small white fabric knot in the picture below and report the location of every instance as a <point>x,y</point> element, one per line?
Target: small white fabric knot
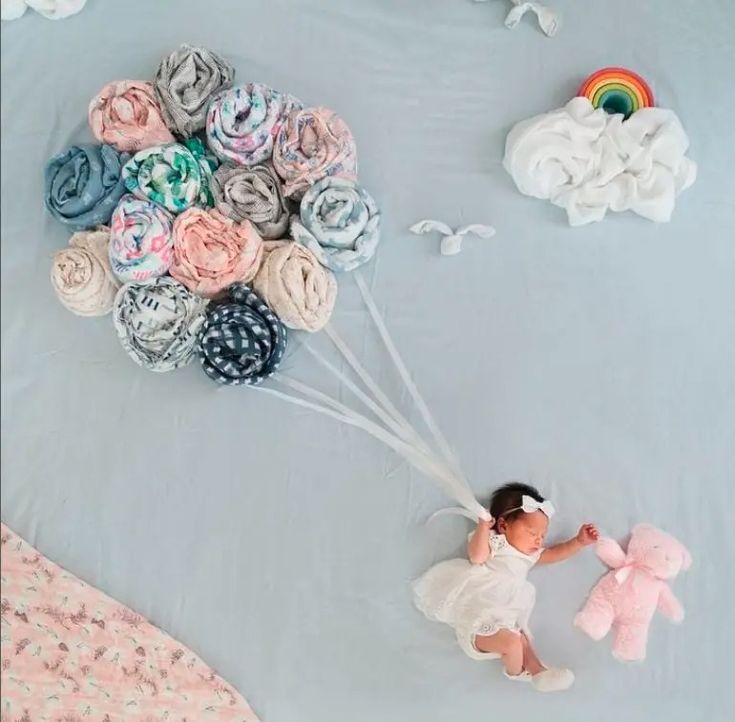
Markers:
<point>451,244</point>
<point>548,20</point>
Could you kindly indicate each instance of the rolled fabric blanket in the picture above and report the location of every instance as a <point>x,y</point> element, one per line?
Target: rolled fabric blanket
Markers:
<point>158,322</point>
<point>83,184</point>
<point>57,9</point>
<point>296,286</point>
<point>252,194</point>
<point>588,161</point>
<point>312,144</point>
<point>243,341</point>
<point>211,252</point>
<point>81,275</point>
<point>141,240</point>
<point>186,81</point>
<point>339,222</point>
<point>242,122</point>
<point>176,176</point>
<point>126,114</point>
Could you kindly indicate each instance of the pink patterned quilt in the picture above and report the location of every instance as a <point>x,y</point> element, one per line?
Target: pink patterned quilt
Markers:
<point>71,654</point>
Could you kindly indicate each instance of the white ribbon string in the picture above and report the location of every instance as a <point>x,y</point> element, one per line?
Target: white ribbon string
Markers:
<point>398,426</point>
<point>444,447</point>
<point>365,377</point>
<point>339,411</point>
<point>443,469</point>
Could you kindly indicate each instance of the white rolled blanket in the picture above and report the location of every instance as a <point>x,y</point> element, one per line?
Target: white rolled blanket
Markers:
<point>588,162</point>
<point>51,9</point>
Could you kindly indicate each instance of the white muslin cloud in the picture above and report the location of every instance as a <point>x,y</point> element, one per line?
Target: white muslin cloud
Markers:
<point>588,162</point>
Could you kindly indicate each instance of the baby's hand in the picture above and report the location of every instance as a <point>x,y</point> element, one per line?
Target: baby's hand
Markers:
<point>587,534</point>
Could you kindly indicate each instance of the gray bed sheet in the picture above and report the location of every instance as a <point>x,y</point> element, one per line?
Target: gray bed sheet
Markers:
<point>598,363</point>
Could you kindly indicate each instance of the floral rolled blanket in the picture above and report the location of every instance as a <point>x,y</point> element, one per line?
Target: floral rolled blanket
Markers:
<point>83,185</point>
<point>71,653</point>
<point>243,122</point>
<point>212,252</point>
<point>141,241</point>
<point>339,222</point>
<point>312,144</point>
<point>176,176</point>
<point>126,114</point>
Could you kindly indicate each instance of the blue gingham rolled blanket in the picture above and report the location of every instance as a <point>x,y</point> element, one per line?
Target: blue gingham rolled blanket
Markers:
<point>83,185</point>
<point>243,341</point>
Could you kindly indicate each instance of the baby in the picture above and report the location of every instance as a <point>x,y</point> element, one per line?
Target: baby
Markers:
<point>488,600</point>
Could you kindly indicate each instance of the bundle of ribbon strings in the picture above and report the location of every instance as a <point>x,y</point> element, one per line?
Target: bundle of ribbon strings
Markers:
<point>387,423</point>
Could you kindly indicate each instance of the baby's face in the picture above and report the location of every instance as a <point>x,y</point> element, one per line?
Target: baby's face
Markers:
<point>527,531</point>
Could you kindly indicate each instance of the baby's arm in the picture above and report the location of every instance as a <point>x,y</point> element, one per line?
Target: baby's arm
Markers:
<point>586,535</point>
<point>478,547</point>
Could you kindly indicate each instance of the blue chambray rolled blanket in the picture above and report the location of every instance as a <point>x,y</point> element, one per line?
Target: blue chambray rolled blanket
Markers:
<point>83,184</point>
<point>242,341</point>
<point>339,222</point>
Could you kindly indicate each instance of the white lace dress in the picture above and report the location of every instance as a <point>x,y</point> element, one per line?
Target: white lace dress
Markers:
<point>480,598</point>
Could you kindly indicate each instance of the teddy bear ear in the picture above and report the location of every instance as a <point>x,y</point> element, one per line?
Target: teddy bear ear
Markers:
<point>642,528</point>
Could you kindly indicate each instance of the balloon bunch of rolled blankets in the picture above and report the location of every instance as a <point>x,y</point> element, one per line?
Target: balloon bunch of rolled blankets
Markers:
<point>608,149</point>
<point>209,217</point>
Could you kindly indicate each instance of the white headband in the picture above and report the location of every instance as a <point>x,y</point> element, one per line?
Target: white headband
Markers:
<point>529,505</point>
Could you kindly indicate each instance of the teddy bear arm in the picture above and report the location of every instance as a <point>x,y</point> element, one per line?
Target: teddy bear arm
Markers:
<point>610,552</point>
<point>669,605</point>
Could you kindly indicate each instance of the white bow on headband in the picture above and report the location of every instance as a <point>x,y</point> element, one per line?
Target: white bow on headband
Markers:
<point>529,505</point>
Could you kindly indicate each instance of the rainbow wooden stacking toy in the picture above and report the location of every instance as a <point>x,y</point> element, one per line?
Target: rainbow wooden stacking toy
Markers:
<point>617,90</point>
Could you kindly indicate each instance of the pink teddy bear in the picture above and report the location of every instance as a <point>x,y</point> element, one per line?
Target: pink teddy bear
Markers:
<point>628,596</point>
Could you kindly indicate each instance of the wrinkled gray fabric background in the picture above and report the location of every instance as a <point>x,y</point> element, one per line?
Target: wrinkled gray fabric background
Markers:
<point>598,363</point>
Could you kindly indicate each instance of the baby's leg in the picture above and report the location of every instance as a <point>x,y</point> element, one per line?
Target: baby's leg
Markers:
<point>508,645</point>
<point>531,662</point>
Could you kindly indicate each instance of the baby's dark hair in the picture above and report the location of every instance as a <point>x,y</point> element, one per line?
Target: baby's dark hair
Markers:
<point>510,496</point>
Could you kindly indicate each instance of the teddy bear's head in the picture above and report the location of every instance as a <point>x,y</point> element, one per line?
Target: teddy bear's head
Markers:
<point>658,552</point>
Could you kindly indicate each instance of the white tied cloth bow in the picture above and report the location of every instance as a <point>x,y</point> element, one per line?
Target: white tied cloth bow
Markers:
<point>451,244</point>
<point>530,505</point>
<point>548,20</point>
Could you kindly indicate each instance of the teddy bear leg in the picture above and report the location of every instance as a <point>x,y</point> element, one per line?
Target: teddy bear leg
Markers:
<point>630,642</point>
<point>595,618</point>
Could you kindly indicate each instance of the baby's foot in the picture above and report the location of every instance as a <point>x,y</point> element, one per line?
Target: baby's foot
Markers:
<point>554,679</point>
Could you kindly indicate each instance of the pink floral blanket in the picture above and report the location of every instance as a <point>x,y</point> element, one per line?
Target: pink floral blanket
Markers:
<point>71,654</point>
